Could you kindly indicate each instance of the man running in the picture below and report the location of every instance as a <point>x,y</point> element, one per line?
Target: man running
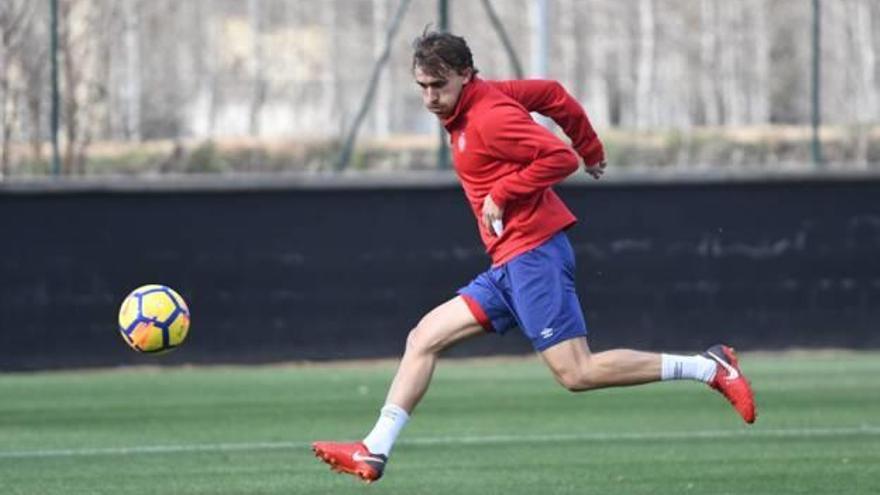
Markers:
<point>507,165</point>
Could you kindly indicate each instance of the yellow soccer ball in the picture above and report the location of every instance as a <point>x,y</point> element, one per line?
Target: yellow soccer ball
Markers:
<point>154,318</point>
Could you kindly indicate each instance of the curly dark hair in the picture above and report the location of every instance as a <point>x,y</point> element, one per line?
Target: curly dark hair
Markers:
<point>436,53</point>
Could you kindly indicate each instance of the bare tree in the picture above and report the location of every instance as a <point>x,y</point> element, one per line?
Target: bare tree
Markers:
<point>569,42</point>
<point>382,107</point>
<point>83,41</point>
<point>645,70</point>
<point>709,25</point>
<point>760,62</point>
<point>860,24</point>
<point>862,46</point>
<point>138,70</point>
<point>257,67</point>
<point>133,84</point>
<point>35,67</point>
<point>209,84</point>
<point>14,17</point>
<point>71,76</point>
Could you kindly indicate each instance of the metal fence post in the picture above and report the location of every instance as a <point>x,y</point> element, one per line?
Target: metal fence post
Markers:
<point>816,85</point>
<point>53,54</point>
<point>443,161</point>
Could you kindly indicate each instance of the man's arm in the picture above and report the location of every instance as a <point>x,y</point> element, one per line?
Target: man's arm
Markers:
<point>511,135</point>
<point>549,98</point>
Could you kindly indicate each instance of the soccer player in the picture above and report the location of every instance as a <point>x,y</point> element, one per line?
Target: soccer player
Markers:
<point>507,165</point>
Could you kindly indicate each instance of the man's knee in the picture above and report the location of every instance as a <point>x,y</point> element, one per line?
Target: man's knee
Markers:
<point>442,327</point>
<point>576,378</point>
<point>423,340</point>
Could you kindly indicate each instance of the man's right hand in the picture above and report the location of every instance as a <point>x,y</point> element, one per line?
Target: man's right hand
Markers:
<point>596,170</point>
<point>492,213</point>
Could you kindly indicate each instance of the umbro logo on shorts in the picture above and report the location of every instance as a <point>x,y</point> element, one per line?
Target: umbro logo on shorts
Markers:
<point>547,333</point>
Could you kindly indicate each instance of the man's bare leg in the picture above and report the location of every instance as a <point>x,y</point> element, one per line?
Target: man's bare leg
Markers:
<point>445,325</point>
<point>442,327</point>
<point>578,369</point>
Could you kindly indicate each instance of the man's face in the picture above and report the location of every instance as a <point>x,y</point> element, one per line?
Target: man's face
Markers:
<point>440,94</point>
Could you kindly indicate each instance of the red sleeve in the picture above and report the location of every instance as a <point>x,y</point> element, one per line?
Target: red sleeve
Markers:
<point>549,98</point>
<point>511,135</point>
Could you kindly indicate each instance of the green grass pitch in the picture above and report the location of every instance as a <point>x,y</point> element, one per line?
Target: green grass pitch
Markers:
<point>486,427</point>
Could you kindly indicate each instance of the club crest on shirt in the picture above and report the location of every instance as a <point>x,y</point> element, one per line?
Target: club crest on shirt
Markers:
<point>462,142</point>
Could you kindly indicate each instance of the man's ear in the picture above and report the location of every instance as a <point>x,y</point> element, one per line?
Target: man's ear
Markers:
<point>468,75</point>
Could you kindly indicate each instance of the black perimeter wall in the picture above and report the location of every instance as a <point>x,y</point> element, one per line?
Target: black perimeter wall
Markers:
<point>330,273</point>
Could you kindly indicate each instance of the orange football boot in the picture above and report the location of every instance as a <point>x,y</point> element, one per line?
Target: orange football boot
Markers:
<point>352,458</point>
<point>730,381</point>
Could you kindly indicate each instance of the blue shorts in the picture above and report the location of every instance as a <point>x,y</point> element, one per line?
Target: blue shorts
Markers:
<point>534,291</point>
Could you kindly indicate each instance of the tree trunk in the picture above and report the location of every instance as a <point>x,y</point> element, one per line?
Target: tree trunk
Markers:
<point>733,96</point>
<point>257,66</point>
<point>5,106</point>
<point>759,90</point>
<point>622,113</point>
<point>570,41</point>
<point>645,70</point>
<point>598,92</point>
<point>34,69</point>
<point>215,92</point>
<point>35,109</point>
<point>708,66</point>
<point>12,19</point>
<point>869,107</point>
<point>133,85</point>
<point>382,106</point>
<point>7,117</point>
<point>70,84</point>
<point>330,81</point>
<point>866,74</point>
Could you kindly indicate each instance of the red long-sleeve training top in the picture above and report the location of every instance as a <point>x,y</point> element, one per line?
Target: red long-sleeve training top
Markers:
<point>498,149</point>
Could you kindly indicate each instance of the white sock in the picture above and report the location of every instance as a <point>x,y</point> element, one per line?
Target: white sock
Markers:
<point>674,367</point>
<point>392,419</point>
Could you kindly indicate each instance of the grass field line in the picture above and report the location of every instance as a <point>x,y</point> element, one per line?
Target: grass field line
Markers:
<point>864,430</point>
